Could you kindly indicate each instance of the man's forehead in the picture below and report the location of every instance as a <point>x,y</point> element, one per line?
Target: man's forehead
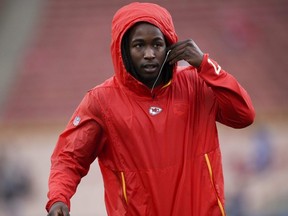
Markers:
<point>142,29</point>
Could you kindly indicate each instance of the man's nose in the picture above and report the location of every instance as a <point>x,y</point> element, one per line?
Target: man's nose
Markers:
<point>149,53</point>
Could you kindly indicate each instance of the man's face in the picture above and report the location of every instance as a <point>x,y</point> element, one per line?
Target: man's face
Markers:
<point>147,49</point>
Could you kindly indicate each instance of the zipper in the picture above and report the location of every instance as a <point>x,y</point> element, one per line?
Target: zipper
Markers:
<point>212,181</point>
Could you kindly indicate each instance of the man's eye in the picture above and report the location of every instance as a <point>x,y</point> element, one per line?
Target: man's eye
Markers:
<point>158,45</point>
<point>138,45</point>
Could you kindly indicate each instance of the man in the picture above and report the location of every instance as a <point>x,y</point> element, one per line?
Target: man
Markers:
<point>152,125</point>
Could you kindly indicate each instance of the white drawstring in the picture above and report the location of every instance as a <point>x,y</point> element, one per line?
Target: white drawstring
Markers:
<point>160,71</point>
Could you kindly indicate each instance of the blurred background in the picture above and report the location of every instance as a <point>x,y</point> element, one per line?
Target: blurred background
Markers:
<point>53,51</point>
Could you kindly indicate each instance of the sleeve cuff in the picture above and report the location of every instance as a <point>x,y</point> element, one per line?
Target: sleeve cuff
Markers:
<point>204,61</point>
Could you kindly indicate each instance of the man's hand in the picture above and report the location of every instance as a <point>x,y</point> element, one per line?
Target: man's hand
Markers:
<point>186,50</point>
<point>59,209</point>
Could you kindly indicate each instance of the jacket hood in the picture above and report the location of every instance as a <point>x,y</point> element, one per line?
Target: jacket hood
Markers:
<point>124,19</point>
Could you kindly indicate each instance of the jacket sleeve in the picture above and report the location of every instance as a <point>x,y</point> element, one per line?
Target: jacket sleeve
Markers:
<point>235,108</point>
<point>77,147</point>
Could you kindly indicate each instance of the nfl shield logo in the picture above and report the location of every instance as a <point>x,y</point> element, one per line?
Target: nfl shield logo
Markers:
<point>76,121</point>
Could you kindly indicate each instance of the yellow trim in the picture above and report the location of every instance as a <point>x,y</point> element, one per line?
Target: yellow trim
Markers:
<point>211,178</point>
<point>124,186</point>
<point>166,84</point>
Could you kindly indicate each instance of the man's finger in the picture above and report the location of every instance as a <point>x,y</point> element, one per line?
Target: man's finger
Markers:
<point>177,44</point>
<point>177,55</point>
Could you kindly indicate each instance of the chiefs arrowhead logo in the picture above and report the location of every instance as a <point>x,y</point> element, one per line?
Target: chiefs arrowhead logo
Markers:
<point>154,110</point>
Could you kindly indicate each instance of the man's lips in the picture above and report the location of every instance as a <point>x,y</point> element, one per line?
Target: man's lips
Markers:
<point>151,68</point>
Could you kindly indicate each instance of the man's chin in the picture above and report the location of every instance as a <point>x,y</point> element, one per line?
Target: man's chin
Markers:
<point>149,81</point>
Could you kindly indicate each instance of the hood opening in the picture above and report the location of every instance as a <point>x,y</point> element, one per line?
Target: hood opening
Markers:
<point>122,21</point>
<point>167,70</point>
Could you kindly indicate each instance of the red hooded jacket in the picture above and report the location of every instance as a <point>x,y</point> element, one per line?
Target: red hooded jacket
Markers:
<point>159,156</point>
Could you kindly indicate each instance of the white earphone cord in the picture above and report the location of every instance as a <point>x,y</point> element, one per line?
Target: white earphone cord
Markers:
<point>160,71</point>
